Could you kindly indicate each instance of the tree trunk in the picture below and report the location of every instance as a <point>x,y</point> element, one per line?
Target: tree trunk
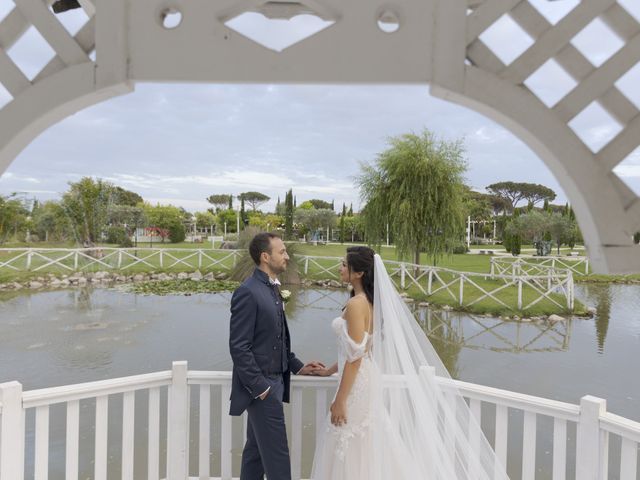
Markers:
<point>416,261</point>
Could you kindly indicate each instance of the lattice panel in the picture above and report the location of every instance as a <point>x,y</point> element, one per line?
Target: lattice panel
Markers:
<point>36,43</point>
<point>566,41</point>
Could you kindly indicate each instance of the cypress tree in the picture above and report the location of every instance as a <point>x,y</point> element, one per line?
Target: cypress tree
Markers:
<point>288,215</point>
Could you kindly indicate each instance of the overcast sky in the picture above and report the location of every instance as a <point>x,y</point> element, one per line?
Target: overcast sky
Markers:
<point>180,143</point>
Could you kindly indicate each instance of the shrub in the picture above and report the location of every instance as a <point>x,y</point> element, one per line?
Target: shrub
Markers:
<point>177,232</point>
<point>516,243</point>
<point>118,235</point>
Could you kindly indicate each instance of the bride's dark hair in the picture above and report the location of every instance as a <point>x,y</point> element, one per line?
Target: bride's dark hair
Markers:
<point>360,259</point>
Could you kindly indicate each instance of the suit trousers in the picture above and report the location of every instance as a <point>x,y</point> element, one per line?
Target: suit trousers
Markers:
<point>267,450</point>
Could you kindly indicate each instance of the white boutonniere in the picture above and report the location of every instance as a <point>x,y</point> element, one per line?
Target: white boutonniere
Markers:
<point>286,295</point>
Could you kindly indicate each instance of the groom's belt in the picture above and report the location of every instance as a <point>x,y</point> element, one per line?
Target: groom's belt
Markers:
<point>273,374</point>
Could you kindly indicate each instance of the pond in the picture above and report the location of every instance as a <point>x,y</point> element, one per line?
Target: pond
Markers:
<point>73,336</point>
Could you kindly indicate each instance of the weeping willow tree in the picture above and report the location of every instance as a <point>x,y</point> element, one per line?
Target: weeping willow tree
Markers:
<point>416,188</point>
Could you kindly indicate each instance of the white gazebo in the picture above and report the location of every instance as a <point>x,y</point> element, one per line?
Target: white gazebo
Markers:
<point>435,43</point>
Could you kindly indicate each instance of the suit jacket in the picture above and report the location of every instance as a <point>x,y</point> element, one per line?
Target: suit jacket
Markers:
<point>255,341</point>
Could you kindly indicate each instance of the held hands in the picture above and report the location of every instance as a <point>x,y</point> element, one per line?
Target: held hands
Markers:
<point>323,372</point>
<point>338,413</point>
<point>311,367</point>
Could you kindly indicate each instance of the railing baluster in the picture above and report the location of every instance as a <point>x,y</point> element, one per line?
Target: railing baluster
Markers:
<point>559,449</point>
<point>225,432</point>
<point>475,434</point>
<point>73,427</point>
<point>128,419</point>
<point>296,432</point>
<point>502,422</point>
<point>529,446</point>
<point>450,419</point>
<point>11,432</point>
<point>628,459</point>
<point>321,410</point>
<point>42,443</point>
<point>153,455</point>
<point>604,452</point>
<point>101,445</point>
<point>178,423</point>
<point>204,428</point>
<point>588,438</point>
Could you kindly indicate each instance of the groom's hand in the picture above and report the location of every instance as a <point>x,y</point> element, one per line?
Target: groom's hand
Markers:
<point>311,367</point>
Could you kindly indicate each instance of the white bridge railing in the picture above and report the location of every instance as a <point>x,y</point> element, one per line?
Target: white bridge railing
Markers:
<point>175,425</point>
<point>539,265</point>
<point>466,288</point>
<point>107,258</point>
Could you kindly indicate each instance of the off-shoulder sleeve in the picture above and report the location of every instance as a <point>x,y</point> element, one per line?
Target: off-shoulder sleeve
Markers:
<point>354,351</point>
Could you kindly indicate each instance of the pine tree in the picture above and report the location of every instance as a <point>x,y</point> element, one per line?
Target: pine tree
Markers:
<point>350,210</point>
<point>230,202</point>
<point>546,206</point>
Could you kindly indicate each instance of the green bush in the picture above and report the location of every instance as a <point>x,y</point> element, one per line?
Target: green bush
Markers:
<point>516,244</point>
<point>459,249</point>
<point>177,232</point>
<point>118,235</point>
<point>506,242</point>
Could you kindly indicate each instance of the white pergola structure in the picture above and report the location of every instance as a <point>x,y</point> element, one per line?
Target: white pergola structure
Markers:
<point>435,42</point>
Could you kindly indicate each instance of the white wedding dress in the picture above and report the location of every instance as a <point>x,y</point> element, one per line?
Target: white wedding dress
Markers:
<point>405,418</point>
<point>343,452</point>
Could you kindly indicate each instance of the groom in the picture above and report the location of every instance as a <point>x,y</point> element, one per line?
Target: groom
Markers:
<point>263,362</point>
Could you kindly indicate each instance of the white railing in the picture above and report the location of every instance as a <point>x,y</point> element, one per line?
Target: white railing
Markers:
<point>186,413</point>
<point>476,287</point>
<point>107,258</point>
<point>465,289</point>
<point>539,265</point>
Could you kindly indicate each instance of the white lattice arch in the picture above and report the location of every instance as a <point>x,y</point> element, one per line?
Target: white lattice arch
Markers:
<point>437,43</point>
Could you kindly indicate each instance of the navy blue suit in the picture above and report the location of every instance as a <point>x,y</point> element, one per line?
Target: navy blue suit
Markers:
<point>262,358</point>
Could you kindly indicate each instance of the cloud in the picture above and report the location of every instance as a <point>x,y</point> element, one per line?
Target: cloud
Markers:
<point>16,179</point>
<point>231,180</point>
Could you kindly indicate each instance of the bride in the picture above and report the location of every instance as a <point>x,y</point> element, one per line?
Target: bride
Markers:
<point>396,413</point>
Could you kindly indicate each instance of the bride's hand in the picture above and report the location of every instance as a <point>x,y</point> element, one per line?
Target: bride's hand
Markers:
<point>338,413</point>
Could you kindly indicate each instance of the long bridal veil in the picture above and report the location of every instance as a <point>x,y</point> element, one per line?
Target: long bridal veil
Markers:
<point>422,426</point>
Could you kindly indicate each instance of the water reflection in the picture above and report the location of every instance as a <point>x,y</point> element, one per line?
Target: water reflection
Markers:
<point>603,311</point>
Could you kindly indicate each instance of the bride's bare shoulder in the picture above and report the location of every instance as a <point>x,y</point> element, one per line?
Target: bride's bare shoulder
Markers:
<point>357,307</point>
